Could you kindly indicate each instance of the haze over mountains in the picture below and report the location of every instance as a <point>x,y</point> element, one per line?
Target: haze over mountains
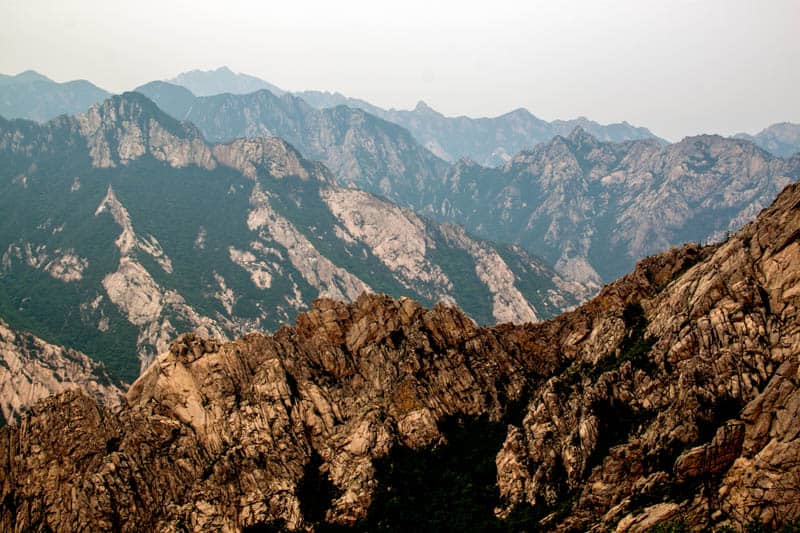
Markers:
<point>781,139</point>
<point>676,382</point>
<point>437,268</point>
<point>587,207</point>
<point>488,141</point>
<point>160,212</point>
<point>36,97</point>
<point>220,81</point>
<point>124,227</point>
<point>590,208</point>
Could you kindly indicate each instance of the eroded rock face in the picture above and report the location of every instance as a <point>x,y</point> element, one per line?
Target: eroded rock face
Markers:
<point>671,395</point>
<point>716,341</point>
<point>32,369</point>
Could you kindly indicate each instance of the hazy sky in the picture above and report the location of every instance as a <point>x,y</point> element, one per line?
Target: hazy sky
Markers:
<point>679,67</point>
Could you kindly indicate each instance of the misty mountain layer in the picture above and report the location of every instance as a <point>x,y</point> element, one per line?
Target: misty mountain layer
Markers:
<point>123,227</point>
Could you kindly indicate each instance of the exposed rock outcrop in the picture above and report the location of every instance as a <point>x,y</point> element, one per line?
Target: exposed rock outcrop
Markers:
<point>32,369</point>
<point>671,395</point>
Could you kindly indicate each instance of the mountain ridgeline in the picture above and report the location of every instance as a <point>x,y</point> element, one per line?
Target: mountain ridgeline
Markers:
<point>488,141</point>
<point>123,227</point>
<point>669,401</point>
<point>594,208</point>
<point>359,148</point>
<point>590,207</point>
<point>584,202</point>
<point>781,139</point>
<point>33,96</point>
<point>220,81</point>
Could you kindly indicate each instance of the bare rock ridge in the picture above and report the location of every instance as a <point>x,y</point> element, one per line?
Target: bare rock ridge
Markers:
<point>672,395</point>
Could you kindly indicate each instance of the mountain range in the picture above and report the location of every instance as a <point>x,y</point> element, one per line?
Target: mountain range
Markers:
<point>36,97</point>
<point>361,149</point>
<point>589,207</point>
<point>439,323</point>
<point>123,227</point>
<point>594,208</point>
<point>222,80</point>
<point>488,141</point>
<point>781,139</point>
<point>669,401</point>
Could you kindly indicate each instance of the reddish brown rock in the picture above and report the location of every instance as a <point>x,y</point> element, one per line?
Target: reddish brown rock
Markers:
<point>671,395</point>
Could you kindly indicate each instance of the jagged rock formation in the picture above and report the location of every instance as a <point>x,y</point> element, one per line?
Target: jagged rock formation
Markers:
<point>594,208</point>
<point>123,227</point>
<point>671,395</point>
<point>36,97</point>
<point>591,208</point>
<point>782,139</point>
<point>32,369</point>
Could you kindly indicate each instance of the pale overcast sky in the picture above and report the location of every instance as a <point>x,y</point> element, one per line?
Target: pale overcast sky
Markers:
<point>679,67</point>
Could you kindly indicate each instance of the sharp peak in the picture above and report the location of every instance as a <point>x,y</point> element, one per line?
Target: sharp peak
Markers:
<point>132,105</point>
<point>519,111</point>
<point>580,135</point>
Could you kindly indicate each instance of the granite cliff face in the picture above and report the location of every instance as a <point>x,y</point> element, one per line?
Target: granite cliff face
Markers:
<point>672,395</point>
<point>123,227</point>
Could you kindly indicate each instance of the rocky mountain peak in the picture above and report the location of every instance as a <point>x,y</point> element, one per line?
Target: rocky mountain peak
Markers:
<point>581,137</point>
<point>781,139</point>
<point>220,81</point>
<point>128,126</point>
<point>422,107</point>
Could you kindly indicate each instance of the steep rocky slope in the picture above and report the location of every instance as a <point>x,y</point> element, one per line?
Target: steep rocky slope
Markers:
<point>359,148</point>
<point>594,208</point>
<point>33,96</point>
<point>32,369</point>
<point>591,208</point>
<point>671,396</point>
<point>123,227</point>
